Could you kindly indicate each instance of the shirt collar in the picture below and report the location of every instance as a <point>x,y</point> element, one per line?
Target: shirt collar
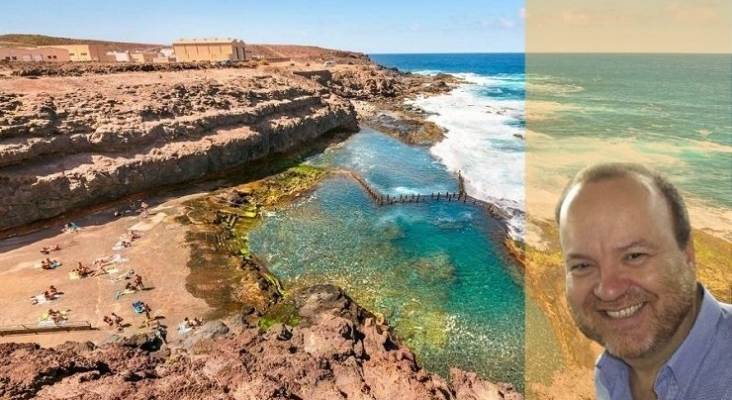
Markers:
<point>687,359</point>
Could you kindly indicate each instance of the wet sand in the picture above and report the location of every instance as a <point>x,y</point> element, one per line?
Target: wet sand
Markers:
<point>160,256</point>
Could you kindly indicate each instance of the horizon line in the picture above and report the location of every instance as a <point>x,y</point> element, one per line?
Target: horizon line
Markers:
<point>551,52</point>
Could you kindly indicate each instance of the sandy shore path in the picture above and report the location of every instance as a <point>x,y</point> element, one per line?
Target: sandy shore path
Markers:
<point>160,256</point>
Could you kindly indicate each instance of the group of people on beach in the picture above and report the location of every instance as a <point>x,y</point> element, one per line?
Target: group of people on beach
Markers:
<point>114,320</point>
<point>51,294</point>
<point>132,208</point>
<point>193,324</point>
<point>50,264</point>
<point>135,285</point>
<point>98,267</point>
<point>46,250</point>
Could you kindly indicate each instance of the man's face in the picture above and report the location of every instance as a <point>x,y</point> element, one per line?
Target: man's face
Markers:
<point>629,286</point>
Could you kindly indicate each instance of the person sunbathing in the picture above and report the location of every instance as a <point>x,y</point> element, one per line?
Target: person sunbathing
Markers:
<point>49,264</point>
<point>108,321</point>
<point>197,322</point>
<point>71,227</point>
<point>117,321</point>
<point>138,283</point>
<point>129,288</point>
<point>101,271</point>
<point>82,270</point>
<point>55,316</point>
<point>48,249</point>
<point>147,310</point>
<point>133,235</point>
<point>52,290</point>
<point>106,260</point>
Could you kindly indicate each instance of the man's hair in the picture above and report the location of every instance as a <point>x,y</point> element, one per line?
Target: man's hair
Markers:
<point>606,171</point>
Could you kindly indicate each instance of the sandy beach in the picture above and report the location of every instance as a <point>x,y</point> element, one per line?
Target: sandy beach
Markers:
<point>159,256</point>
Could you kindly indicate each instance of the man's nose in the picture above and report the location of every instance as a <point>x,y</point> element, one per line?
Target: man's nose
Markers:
<point>612,284</point>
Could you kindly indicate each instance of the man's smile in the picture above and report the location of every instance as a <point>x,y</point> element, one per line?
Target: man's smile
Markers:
<point>625,312</point>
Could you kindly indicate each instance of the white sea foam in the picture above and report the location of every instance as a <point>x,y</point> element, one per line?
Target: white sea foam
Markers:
<point>484,142</point>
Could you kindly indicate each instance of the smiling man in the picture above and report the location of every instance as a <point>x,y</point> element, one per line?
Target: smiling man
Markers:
<point>631,286</point>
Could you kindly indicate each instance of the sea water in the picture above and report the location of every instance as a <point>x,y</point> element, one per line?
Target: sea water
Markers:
<point>670,111</point>
<point>436,270</point>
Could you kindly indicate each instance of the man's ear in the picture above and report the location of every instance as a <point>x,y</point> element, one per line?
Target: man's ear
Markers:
<point>689,255</point>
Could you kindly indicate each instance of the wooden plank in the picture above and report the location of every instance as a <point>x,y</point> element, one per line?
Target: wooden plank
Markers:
<point>65,326</point>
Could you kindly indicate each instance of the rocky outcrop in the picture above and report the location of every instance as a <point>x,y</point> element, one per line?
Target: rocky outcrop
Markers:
<point>89,141</point>
<point>336,351</point>
<point>375,83</point>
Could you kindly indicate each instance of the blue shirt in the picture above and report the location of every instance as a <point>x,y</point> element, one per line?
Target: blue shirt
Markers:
<point>700,369</point>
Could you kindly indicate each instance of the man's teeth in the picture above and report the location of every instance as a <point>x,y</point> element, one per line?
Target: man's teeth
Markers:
<point>624,313</point>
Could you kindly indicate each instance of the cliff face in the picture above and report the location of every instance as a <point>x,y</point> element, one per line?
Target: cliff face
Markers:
<point>75,141</point>
<point>336,351</point>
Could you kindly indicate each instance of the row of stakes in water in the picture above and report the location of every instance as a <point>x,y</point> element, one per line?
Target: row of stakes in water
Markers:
<point>417,198</point>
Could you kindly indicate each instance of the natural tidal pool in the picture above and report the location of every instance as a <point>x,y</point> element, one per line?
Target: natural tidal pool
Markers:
<point>436,270</point>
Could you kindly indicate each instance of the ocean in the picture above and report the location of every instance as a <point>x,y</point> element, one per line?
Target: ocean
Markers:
<point>670,111</point>
<point>518,128</point>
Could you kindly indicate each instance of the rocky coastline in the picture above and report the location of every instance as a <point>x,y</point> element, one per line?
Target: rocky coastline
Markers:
<point>71,140</point>
<point>337,351</point>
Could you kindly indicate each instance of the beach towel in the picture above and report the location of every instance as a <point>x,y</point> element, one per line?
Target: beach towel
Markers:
<point>183,329</point>
<point>74,275</point>
<point>45,317</point>
<point>121,293</point>
<point>113,259</point>
<point>122,276</point>
<point>54,265</point>
<point>117,258</point>
<point>41,298</point>
<point>138,307</point>
<point>118,246</point>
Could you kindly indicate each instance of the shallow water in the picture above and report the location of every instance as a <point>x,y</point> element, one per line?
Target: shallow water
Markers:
<point>436,270</point>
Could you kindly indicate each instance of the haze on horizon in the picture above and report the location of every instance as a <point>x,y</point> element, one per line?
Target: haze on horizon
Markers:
<point>648,26</point>
<point>378,26</point>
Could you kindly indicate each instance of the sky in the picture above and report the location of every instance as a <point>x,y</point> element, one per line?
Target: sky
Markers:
<point>629,26</point>
<point>368,26</point>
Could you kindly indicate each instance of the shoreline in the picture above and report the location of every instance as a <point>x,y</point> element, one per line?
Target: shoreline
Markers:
<point>47,226</point>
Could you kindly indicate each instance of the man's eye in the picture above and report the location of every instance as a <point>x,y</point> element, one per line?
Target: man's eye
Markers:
<point>635,256</point>
<point>579,267</point>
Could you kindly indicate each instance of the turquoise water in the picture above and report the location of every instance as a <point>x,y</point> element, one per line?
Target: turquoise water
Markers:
<point>435,270</point>
<point>672,111</point>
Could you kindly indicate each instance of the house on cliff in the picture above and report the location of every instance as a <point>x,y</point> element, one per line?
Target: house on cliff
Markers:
<point>228,49</point>
<point>52,54</point>
<point>86,52</point>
